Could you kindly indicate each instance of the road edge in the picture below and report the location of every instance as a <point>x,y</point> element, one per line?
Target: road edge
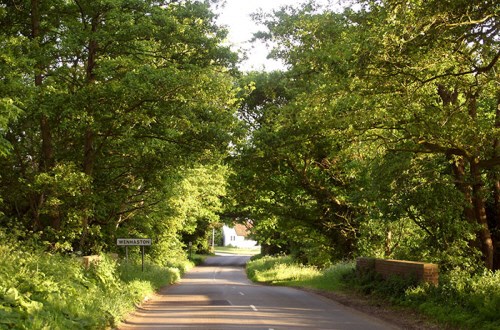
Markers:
<point>403,317</point>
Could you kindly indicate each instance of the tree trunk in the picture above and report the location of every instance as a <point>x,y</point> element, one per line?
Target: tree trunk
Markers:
<point>89,149</point>
<point>496,222</point>
<point>388,242</point>
<point>478,195</point>
<point>35,33</point>
<point>46,160</point>
<point>480,214</point>
<point>495,178</point>
<point>89,152</point>
<point>459,173</point>
<point>47,151</point>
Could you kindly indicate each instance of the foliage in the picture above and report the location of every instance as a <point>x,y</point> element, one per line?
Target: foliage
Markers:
<point>283,270</point>
<point>278,270</point>
<point>197,259</point>
<point>198,204</point>
<point>382,136</point>
<point>115,118</point>
<point>446,109</point>
<point>237,250</point>
<point>42,291</point>
<point>120,101</point>
<point>119,119</point>
<point>289,179</point>
<point>460,300</point>
<point>8,113</point>
<point>332,278</point>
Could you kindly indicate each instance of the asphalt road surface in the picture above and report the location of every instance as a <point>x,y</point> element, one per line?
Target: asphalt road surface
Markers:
<point>218,295</point>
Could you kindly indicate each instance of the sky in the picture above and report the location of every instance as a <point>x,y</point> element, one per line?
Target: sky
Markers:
<point>236,16</point>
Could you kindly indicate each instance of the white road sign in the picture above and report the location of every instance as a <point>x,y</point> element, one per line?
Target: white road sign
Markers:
<point>133,241</point>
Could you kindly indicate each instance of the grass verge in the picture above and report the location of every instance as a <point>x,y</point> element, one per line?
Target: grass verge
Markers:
<point>198,259</point>
<point>284,271</point>
<point>235,250</point>
<point>45,291</point>
<point>461,300</point>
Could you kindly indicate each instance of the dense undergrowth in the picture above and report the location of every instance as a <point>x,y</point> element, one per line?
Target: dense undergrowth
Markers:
<point>49,291</point>
<point>460,300</point>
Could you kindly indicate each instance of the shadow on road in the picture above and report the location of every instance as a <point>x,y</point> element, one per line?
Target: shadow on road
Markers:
<point>226,260</point>
<point>220,296</point>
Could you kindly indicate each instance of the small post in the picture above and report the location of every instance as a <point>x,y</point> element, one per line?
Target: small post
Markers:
<point>190,250</point>
<point>213,239</point>
<point>134,242</point>
<point>142,258</point>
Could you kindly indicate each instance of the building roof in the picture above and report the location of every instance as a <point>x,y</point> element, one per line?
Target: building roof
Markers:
<point>241,230</point>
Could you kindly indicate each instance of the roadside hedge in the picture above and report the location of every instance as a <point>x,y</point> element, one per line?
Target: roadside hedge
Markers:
<point>39,290</point>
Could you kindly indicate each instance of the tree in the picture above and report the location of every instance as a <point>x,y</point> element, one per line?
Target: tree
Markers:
<point>125,94</point>
<point>198,203</point>
<point>436,62</point>
<point>394,81</point>
<point>290,180</point>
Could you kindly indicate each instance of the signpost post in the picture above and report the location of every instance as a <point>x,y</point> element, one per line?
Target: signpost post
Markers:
<point>213,240</point>
<point>142,242</point>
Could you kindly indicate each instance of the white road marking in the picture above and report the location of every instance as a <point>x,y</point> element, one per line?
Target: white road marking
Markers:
<point>254,309</point>
<point>215,274</point>
<point>241,293</point>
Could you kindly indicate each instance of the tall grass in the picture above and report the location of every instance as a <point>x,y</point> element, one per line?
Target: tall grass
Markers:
<point>471,302</point>
<point>283,270</point>
<point>460,300</point>
<point>236,250</point>
<point>44,291</point>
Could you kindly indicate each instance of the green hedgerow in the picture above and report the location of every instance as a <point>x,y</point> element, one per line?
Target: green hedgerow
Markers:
<point>39,290</point>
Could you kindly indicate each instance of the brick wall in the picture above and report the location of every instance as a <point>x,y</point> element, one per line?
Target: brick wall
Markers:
<point>95,259</point>
<point>423,272</point>
<point>89,260</point>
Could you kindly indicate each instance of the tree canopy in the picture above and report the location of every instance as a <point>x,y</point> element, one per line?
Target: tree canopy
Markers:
<point>382,136</point>
<point>118,100</point>
<point>130,118</point>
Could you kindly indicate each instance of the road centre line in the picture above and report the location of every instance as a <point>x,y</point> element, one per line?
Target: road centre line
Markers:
<point>241,293</point>
<point>254,309</point>
<point>215,274</point>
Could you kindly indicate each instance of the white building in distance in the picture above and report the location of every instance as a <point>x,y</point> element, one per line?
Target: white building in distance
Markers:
<point>237,236</point>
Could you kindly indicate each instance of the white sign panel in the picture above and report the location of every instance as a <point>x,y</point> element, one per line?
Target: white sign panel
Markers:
<point>133,241</point>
